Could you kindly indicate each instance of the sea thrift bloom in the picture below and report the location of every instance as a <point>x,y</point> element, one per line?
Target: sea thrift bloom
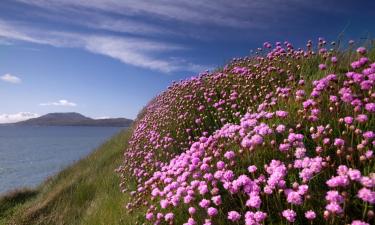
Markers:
<point>256,139</point>
<point>348,120</point>
<point>362,118</point>
<point>216,200</point>
<point>192,210</point>
<point>367,195</point>
<point>361,50</point>
<point>169,216</point>
<point>280,128</point>
<point>358,222</point>
<point>289,215</point>
<point>322,66</point>
<point>252,169</point>
<point>310,215</point>
<point>229,155</point>
<point>204,203</point>
<point>234,216</point>
<point>212,211</point>
<point>294,198</point>
<point>370,107</point>
<point>339,142</point>
<point>281,114</point>
<point>334,208</point>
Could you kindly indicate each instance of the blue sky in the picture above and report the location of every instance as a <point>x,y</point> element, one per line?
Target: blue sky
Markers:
<point>109,58</point>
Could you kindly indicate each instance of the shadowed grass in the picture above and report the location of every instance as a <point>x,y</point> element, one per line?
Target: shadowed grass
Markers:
<point>84,193</point>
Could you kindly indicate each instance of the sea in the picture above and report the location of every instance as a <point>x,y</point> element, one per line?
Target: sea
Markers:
<point>29,155</point>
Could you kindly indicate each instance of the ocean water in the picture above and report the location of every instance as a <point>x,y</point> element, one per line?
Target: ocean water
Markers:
<point>28,155</point>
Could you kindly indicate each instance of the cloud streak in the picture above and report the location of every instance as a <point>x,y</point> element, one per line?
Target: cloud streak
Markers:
<point>11,78</point>
<point>138,52</point>
<point>63,102</point>
<point>17,117</point>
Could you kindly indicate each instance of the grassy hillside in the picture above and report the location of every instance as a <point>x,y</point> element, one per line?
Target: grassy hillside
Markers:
<point>84,193</point>
<point>283,136</point>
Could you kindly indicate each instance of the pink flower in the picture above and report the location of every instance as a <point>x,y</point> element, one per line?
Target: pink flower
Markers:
<point>192,210</point>
<point>335,208</point>
<point>334,196</point>
<point>367,195</point>
<point>229,155</point>
<point>234,216</point>
<point>370,107</point>
<point>281,114</point>
<point>294,198</point>
<point>204,203</point>
<point>348,120</point>
<point>339,142</point>
<point>361,50</point>
<point>358,222</point>
<point>252,169</point>
<point>280,128</point>
<point>149,216</point>
<point>310,215</point>
<point>289,215</point>
<point>362,118</point>
<point>322,66</point>
<point>212,211</point>
<point>256,139</point>
<point>169,216</point>
<point>216,200</point>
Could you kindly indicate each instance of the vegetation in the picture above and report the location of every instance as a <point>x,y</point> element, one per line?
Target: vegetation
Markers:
<point>284,136</point>
<point>84,193</point>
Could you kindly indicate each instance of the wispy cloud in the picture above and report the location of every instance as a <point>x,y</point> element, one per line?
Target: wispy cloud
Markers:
<point>11,78</point>
<point>16,117</point>
<point>138,52</point>
<point>62,102</point>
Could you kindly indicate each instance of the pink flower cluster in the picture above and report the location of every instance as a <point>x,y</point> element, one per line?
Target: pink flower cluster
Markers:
<point>265,140</point>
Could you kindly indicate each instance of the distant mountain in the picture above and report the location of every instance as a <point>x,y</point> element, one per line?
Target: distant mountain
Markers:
<point>74,119</point>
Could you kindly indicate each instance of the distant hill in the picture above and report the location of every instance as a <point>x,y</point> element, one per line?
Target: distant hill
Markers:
<point>74,119</point>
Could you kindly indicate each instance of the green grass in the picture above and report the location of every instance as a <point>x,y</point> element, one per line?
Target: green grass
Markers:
<point>85,193</point>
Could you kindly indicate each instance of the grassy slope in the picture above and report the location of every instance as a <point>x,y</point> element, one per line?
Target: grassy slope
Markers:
<point>84,193</point>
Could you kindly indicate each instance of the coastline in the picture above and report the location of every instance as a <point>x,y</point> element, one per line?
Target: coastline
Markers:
<point>89,184</point>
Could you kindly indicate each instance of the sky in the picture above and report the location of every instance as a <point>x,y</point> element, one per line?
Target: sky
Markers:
<point>110,58</point>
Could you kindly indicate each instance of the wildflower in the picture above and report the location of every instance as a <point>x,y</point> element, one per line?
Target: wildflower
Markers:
<point>322,66</point>
<point>229,155</point>
<point>252,169</point>
<point>370,107</point>
<point>192,210</point>
<point>280,128</point>
<point>348,120</point>
<point>334,208</point>
<point>169,216</point>
<point>362,118</point>
<point>281,114</point>
<point>358,222</point>
<point>361,50</point>
<point>310,215</point>
<point>339,142</point>
<point>256,139</point>
<point>367,195</point>
<point>149,216</point>
<point>294,198</point>
<point>216,200</point>
<point>289,215</point>
<point>204,203</point>
<point>211,211</point>
<point>234,216</point>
